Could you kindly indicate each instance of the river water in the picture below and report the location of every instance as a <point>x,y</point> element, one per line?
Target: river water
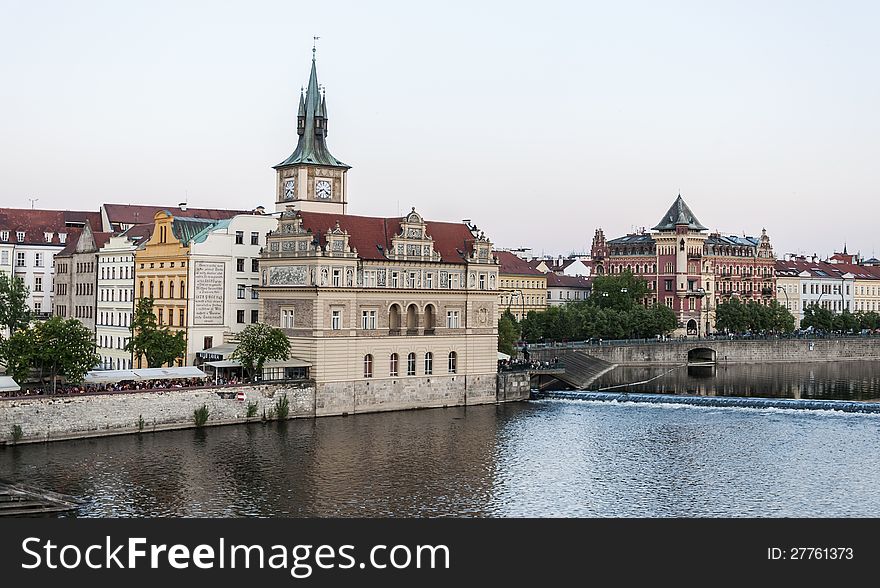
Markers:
<point>542,459</point>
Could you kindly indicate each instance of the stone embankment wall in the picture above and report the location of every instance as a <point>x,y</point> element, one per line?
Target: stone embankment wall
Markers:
<point>727,351</point>
<point>73,417</point>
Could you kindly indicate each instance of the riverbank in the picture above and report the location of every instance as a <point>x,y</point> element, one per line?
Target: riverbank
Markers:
<point>33,419</point>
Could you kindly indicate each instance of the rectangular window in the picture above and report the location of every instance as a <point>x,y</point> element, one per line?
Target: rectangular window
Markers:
<point>241,291</point>
<point>239,316</point>
<point>161,316</point>
<point>255,316</point>
<point>669,301</point>
<point>429,280</point>
<point>4,260</point>
<point>254,294</point>
<point>38,259</point>
<point>239,237</point>
<point>255,238</point>
<point>336,320</point>
<point>255,265</point>
<point>286,318</point>
<point>209,342</point>
<point>394,278</point>
<point>368,319</point>
<point>451,319</point>
<point>38,283</point>
<point>38,307</point>
<point>668,284</point>
<point>369,279</point>
<point>19,259</point>
<point>412,280</point>
<point>337,276</point>
<point>4,235</point>
<point>239,264</point>
<point>482,281</point>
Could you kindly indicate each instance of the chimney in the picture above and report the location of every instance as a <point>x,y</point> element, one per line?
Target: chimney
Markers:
<point>182,206</point>
<point>260,210</point>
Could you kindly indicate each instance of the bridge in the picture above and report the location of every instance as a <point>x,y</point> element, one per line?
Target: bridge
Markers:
<point>710,351</point>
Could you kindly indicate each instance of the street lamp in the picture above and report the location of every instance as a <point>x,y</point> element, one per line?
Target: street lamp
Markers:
<point>522,301</point>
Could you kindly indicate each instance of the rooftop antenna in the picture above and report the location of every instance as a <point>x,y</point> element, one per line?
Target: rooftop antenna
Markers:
<point>32,202</point>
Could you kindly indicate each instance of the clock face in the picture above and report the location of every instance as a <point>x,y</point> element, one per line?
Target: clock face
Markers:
<point>414,233</point>
<point>289,189</point>
<point>323,189</point>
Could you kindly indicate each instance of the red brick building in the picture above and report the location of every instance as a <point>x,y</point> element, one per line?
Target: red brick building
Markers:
<point>689,269</point>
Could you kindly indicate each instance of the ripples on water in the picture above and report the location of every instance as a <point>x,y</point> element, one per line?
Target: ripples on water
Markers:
<point>542,459</point>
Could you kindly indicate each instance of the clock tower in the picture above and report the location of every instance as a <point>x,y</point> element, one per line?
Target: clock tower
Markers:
<point>311,179</point>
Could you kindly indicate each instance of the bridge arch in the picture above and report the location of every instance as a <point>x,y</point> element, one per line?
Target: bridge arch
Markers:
<point>701,355</point>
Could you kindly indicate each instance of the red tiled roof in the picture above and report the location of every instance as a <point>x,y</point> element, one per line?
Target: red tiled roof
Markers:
<point>70,245</point>
<point>823,269</point>
<point>558,281</point>
<point>513,265</point>
<point>36,223</point>
<point>136,214</point>
<point>368,233</point>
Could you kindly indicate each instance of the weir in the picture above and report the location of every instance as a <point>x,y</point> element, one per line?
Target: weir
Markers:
<point>717,401</point>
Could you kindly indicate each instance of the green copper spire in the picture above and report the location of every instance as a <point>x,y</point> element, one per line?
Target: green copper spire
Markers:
<point>312,128</point>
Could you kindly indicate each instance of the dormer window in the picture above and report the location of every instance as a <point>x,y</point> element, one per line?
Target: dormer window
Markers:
<point>4,235</point>
<point>48,237</point>
<point>19,235</point>
<point>62,237</point>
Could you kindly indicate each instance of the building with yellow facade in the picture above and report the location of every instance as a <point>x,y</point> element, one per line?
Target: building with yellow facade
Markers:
<point>522,288</point>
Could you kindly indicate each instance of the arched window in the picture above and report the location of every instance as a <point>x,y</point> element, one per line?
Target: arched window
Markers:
<point>429,318</point>
<point>368,366</point>
<point>171,289</point>
<point>393,368</point>
<point>161,289</point>
<point>182,290</point>
<point>453,362</point>
<point>151,288</point>
<point>429,363</point>
<point>142,288</point>
<point>412,317</point>
<point>394,317</point>
<point>411,364</point>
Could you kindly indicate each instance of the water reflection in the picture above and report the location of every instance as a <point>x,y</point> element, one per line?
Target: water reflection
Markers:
<point>844,380</point>
<point>545,458</point>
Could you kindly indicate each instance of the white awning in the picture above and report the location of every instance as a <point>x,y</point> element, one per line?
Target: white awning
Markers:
<point>290,362</point>
<point>7,384</point>
<point>224,363</point>
<point>502,356</point>
<point>111,376</point>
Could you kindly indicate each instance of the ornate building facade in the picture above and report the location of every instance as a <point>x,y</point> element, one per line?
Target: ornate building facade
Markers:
<point>690,270</point>
<point>389,312</point>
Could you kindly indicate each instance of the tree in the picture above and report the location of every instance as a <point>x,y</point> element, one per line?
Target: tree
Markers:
<point>17,352</point>
<point>818,318</point>
<point>14,311</point>
<point>159,345</point>
<point>63,348</point>
<point>781,318</point>
<point>257,343</point>
<point>508,333</point>
<point>732,317</point>
<point>846,322</point>
<point>869,320</point>
<point>532,326</point>
<point>620,291</point>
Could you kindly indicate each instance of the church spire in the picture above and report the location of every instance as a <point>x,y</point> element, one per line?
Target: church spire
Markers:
<point>312,128</point>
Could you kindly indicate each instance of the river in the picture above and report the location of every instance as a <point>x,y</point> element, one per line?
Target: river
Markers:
<point>542,459</point>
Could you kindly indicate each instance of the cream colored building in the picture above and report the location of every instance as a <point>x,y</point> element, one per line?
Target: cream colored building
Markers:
<point>391,311</point>
<point>523,288</point>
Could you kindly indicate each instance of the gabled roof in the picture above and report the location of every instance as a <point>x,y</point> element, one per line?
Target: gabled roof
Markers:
<point>136,214</point>
<point>35,223</point>
<point>513,265</point>
<point>679,214</point>
<point>372,235</point>
<point>562,281</point>
<point>823,269</point>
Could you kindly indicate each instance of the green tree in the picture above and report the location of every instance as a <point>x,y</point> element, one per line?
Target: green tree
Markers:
<point>532,327</point>
<point>846,322</point>
<point>259,342</point>
<point>869,320</point>
<point>621,291</point>
<point>732,317</point>
<point>817,317</point>
<point>781,318</point>
<point>14,311</point>
<point>159,345</point>
<point>508,333</point>
<point>17,352</point>
<point>63,348</point>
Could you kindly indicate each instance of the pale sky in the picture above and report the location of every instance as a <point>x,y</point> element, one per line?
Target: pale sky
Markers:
<point>538,120</point>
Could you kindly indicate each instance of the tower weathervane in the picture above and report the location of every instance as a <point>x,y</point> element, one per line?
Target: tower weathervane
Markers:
<point>314,46</point>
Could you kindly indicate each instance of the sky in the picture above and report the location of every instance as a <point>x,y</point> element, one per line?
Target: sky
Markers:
<point>540,121</point>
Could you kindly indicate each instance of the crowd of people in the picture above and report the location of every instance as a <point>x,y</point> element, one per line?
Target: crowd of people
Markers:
<point>513,365</point>
<point>125,386</point>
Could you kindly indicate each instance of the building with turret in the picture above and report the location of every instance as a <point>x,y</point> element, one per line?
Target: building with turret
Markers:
<point>689,269</point>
